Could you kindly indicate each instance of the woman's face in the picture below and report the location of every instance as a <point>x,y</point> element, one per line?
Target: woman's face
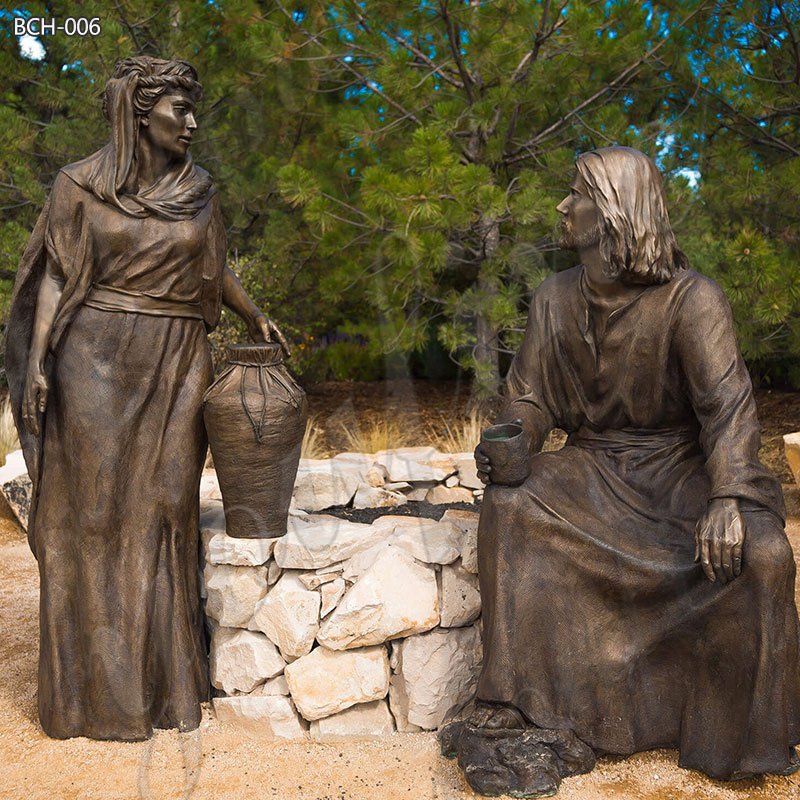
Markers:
<point>171,123</point>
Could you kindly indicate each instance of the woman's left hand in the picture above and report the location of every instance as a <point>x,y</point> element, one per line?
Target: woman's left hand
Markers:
<point>263,329</point>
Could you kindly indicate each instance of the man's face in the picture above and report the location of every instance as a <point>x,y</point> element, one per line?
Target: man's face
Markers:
<point>581,220</point>
<point>171,123</point>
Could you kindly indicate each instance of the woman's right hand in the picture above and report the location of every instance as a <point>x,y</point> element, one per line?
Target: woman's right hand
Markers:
<point>34,399</point>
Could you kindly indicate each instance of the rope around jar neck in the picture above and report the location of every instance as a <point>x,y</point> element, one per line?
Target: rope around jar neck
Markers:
<point>258,427</point>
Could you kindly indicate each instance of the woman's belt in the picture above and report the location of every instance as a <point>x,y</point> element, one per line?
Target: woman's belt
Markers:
<point>625,439</point>
<point>107,298</point>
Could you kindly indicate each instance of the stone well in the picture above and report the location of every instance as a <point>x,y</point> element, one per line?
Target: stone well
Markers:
<point>343,629</point>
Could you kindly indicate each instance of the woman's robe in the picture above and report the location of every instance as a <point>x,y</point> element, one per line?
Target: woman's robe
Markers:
<point>116,469</point>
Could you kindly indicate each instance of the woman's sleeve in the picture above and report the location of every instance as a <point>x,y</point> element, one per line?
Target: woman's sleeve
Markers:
<point>722,397</point>
<point>64,239</point>
<point>213,265</point>
<point>526,377</point>
<point>69,246</point>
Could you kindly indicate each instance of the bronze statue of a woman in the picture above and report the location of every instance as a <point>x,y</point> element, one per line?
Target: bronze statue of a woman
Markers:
<point>107,364</point>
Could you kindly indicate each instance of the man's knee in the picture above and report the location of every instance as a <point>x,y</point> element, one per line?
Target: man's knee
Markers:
<point>767,551</point>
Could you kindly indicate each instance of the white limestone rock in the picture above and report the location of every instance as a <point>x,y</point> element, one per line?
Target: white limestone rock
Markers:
<point>387,524</point>
<point>224,549</point>
<point>377,497</point>
<point>429,541</point>
<point>363,460</point>
<point>364,721</point>
<point>325,682</point>
<point>313,580</point>
<point>356,566</point>
<point>241,660</point>
<point>791,446</point>
<point>459,596</point>
<point>330,569</point>
<point>419,490</point>
<point>375,476</point>
<point>322,483</point>
<point>232,593</point>
<point>412,464</point>
<point>209,486</point>
<point>274,686</point>
<point>451,481</point>
<point>467,471</point>
<point>467,522</point>
<point>331,594</point>
<point>395,597</point>
<point>289,616</point>
<point>319,540</point>
<point>398,694</point>
<point>435,671</point>
<point>441,495</point>
<point>267,717</point>
<point>274,573</point>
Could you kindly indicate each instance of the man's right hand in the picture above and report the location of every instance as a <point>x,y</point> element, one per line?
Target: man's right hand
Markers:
<point>34,399</point>
<point>483,465</point>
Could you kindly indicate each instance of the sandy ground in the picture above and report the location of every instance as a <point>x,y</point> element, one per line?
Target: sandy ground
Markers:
<point>219,762</point>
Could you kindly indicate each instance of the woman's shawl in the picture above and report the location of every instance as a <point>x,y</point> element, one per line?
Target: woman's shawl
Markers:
<point>180,193</point>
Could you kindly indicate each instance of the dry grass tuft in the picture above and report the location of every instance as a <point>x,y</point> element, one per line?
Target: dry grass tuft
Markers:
<point>459,436</point>
<point>9,441</point>
<point>370,434</point>
<point>313,440</point>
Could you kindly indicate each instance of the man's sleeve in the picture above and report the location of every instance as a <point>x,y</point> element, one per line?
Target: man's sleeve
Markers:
<point>722,396</point>
<point>526,379</point>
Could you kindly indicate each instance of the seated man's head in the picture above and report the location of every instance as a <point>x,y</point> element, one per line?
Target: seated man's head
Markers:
<point>617,204</point>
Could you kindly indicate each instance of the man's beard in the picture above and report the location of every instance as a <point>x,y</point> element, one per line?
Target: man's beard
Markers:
<point>582,241</point>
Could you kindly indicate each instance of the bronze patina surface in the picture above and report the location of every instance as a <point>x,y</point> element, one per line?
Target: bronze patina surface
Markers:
<point>107,363</point>
<point>638,586</point>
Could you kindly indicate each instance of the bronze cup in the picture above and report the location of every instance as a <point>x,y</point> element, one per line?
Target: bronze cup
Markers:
<point>508,448</point>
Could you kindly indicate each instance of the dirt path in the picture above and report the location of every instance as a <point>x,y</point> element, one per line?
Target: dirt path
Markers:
<point>217,762</point>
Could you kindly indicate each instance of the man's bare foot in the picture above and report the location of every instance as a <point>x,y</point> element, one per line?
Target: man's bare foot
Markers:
<point>495,717</point>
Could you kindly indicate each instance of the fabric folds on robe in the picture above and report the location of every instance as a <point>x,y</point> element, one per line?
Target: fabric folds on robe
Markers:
<point>114,521</point>
<point>595,616</point>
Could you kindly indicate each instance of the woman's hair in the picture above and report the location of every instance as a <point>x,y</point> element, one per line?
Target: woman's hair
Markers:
<point>637,241</point>
<point>151,78</point>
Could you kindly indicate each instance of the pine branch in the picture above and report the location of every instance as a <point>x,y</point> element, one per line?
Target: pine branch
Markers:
<point>612,86</point>
<point>366,82</point>
<point>523,68</point>
<point>793,39</point>
<point>453,36</point>
<point>765,138</point>
<point>404,43</point>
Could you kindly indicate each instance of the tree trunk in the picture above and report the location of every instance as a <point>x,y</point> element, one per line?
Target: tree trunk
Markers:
<point>486,348</point>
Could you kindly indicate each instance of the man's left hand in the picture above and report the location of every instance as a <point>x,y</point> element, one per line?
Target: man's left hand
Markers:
<point>719,539</point>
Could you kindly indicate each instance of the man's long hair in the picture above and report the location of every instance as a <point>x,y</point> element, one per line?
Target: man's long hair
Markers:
<point>636,242</point>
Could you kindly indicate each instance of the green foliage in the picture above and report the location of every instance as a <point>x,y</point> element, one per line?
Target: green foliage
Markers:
<point>352,361</point>
<point>391,170</point>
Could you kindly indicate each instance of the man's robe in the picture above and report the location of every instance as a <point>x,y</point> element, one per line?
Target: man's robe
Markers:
<point>596,616</point>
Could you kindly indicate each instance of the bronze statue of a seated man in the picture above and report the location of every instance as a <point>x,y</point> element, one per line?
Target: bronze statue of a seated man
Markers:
<point>597,617</point>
